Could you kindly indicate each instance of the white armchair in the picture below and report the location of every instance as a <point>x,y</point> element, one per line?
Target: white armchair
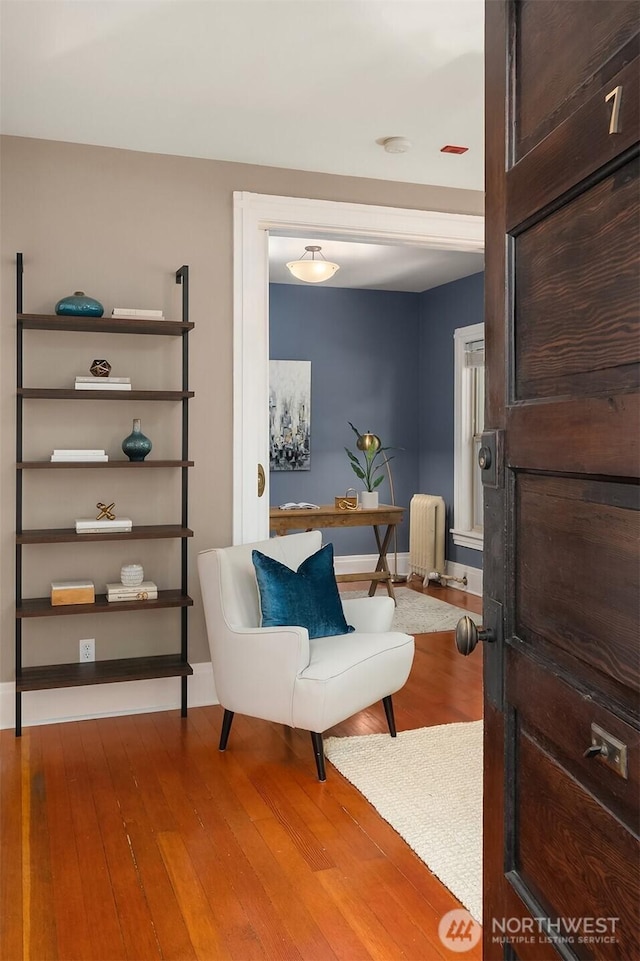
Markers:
<point>279,673</point>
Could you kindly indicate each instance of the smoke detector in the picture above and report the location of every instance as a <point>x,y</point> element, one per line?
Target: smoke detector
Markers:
<point>396,144</point>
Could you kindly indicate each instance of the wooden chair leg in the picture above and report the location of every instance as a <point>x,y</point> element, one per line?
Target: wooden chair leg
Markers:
<point>318,751</point>
<point>226,728</point>
<point>388,710</point>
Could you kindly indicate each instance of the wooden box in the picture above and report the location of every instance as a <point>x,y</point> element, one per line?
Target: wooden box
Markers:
<point>72,592</point>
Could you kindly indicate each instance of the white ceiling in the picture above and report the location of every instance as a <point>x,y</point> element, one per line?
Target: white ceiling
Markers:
<point>303,84</point>
<point>375,266</point>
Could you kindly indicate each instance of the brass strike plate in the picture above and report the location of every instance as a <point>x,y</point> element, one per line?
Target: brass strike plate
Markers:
<point>613,753</point>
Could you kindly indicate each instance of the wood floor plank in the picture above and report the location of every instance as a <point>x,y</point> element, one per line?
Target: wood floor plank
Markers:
<point>392,914</point>
<point>142,786</point>
<point>165,901</point>
<point>300,831</point>
<point>272,866</point>
<point>413,903</point>
<point>72,928</point>
<point>307,898</point>
<point>360,916</point>
<point>109,773</point>
<point>12,750</point>
<point>330,822</point>
<point>144,825</point>
<point>106,936</point>
<point>40,930</point>
<point>193,900</point>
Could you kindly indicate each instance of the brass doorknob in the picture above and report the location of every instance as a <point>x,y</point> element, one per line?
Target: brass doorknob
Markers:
<point>468,634</point>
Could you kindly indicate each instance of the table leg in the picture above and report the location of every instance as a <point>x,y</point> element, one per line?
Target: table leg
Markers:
<point>383,544</point>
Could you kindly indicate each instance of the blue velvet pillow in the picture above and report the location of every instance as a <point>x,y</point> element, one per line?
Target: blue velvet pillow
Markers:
<point>308,597</point>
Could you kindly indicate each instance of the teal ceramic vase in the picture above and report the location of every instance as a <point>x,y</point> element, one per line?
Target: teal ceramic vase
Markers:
<point>136,446</point>
<point>79,305</point>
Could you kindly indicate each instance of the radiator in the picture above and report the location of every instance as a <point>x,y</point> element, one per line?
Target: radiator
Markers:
<point>426,535</point>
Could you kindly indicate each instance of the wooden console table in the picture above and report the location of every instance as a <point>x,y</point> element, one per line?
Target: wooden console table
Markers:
<point>308,519</point>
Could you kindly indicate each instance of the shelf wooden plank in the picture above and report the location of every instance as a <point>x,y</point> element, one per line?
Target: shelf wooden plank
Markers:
<point>69,535</point>
<point>42,607</point>
<point>48,676</point>
<point>66,393</point>
<point>101,325</point>
<point>128,464</point>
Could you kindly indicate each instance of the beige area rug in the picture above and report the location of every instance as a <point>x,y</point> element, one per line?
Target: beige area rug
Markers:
<point>420,613</point>
<point>428,785</point>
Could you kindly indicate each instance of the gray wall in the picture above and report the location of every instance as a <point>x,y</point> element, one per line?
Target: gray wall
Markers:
<point>364,369</point>
<point>442,310</point>
<point>116,223</point>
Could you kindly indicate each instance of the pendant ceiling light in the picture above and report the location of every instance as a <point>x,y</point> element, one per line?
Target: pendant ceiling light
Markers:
<point>312,271</point>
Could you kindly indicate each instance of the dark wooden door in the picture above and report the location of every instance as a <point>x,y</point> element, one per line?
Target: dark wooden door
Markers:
<point>561,529</point>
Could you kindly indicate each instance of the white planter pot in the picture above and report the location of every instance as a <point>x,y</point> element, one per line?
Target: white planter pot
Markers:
<point>368,500</point>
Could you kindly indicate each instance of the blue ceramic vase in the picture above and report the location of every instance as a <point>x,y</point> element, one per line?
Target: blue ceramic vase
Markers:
<point>79,305</point>
<point>136,446</point>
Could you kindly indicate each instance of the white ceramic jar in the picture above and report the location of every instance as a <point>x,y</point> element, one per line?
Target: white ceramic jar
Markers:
<point>132,575</point>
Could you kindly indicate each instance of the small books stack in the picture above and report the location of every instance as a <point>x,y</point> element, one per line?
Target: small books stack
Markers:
<point>103,383</point>
<point>82,454</point>
<point>89,525</point>
<point>137,313</point>
<point>147,591</point>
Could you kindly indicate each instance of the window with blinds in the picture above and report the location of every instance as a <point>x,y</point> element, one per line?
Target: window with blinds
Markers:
<point>468,426</point>
<point>474,363</point>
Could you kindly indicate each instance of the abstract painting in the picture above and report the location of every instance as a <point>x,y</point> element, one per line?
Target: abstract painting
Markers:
<point>289,414</point>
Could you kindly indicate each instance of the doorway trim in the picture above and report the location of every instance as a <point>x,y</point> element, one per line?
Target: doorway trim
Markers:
<point>254,217</point>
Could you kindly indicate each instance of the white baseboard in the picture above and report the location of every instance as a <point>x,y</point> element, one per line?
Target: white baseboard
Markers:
<point>473,575</point>
<point>106,700</point>
<point>354,563</point>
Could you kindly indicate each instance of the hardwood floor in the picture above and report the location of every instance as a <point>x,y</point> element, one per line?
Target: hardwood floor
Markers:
<point>135,838</point>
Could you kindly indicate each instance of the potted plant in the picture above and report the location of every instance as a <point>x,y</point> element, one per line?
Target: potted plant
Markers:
<point>367,470</point>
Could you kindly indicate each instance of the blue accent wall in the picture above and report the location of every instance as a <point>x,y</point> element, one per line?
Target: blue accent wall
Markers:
<point>363,348</point>
<point>442,310</point>
<point>383,360</point>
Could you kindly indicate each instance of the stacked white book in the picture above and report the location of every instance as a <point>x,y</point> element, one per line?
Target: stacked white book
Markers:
<point>147,591</point>
<point>137,313</point>
<point>81,454</point>
<point>103,383</point>
<point>89,525</point>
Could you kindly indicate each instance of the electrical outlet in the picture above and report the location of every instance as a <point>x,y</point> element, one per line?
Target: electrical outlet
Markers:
<point>87,649</point>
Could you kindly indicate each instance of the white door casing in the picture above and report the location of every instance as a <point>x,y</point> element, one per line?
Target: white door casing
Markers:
<point>255,215</point>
